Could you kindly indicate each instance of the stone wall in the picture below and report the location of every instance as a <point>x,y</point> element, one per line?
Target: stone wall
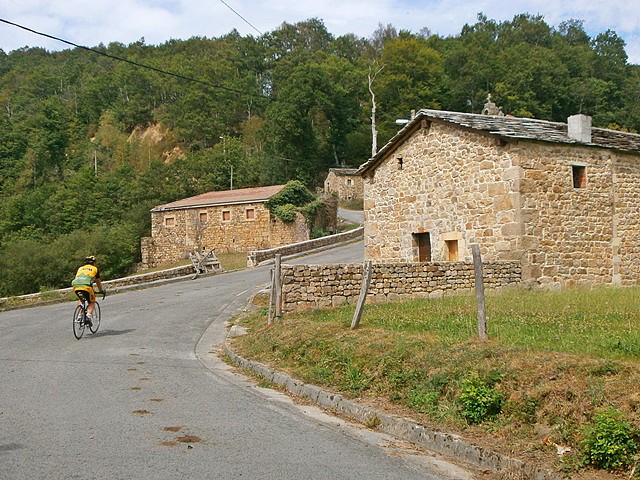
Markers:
<point>346,186</point>
<point>255,257</point>
<point>112,286</point>
<point>626,220</point>
<point>516,199</point>
<point>224,229</point>
<point>318,286</point>
<point>451,183</point>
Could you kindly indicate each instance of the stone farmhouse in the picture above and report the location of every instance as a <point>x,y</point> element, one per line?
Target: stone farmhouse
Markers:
<point>562,199</point>
<point>345,183</point>
<point>225,221</point>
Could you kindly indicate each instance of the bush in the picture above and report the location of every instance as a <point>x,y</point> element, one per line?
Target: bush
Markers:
<point>610,441</point>
<point>478,400</point>
<point>293,193</point>
<point>286,213</point>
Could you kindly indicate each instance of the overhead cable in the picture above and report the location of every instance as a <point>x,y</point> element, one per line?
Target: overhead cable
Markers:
<point>142,65</point>
<point>243,19</point>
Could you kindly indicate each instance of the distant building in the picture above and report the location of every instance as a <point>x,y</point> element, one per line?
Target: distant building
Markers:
<point>226,221</point>
<point>345,183</point>
<point>563,199</point>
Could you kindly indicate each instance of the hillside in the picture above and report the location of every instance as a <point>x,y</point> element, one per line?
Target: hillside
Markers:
<point>91,140</point>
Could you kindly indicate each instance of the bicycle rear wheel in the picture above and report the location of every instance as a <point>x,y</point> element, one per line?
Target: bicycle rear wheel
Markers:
<point>95,318</point>
<point>78,322</point>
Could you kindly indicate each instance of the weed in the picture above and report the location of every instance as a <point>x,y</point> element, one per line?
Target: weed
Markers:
<point>372,422</point>
<point>424,401</point>
<point>610,441</point>
<point>478,400</point>
<point>355,379</point>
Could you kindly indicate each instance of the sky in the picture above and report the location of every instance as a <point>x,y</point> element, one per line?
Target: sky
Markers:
<point>91,22</point>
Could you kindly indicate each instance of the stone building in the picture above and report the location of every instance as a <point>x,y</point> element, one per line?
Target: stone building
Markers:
<point>561,199</point>
<point>227,221</point>
<point>345,183</point>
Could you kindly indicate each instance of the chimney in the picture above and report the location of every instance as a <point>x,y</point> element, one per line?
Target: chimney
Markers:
<point>580,128</point>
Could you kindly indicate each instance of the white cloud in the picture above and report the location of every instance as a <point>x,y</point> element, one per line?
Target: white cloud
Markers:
<point>126,21</point>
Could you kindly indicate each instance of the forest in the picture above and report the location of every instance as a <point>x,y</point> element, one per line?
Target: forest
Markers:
<point>92,138</point>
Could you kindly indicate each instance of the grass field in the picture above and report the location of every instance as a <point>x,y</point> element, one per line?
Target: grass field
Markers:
<point>553,362</point>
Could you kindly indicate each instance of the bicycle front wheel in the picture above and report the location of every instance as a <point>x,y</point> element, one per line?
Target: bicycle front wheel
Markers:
<point>78,322</point>
<point>95,318</point>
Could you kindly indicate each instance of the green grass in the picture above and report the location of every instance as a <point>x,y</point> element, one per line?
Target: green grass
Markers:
<point>353,204</point>
<point>229,261</point>
<point>233,261</point>
<point>552,357</point>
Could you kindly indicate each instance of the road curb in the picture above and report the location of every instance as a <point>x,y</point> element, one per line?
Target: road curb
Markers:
<point>449,445</point>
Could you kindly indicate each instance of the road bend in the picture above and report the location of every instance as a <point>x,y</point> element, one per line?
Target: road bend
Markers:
<point>135,401</point>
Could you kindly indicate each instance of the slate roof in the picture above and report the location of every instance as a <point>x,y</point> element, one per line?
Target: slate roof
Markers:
<point>511,128</point>
<point>342,172</point>
<point>226,197</point>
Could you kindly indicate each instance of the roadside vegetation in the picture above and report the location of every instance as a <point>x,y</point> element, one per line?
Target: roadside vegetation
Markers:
<point>352,204</point>
<point>560,372</point>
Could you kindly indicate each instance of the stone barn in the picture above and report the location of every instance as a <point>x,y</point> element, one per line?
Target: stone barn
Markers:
<point>225,221</point>
<point>345,183</point>
<point>563,199</point>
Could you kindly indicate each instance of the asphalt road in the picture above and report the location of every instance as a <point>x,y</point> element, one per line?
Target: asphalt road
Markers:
<point>147,398</point>
<point>353,216</point>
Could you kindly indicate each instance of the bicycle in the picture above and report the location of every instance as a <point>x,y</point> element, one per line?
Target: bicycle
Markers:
<point>80,317</point>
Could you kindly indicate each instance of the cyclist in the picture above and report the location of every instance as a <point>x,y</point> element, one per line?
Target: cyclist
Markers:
<point>85,276</point>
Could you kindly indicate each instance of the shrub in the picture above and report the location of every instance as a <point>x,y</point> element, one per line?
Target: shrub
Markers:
<point>478,400</point>
<point>610,441</point>
<point>286,213</point>
<point>293,193</point>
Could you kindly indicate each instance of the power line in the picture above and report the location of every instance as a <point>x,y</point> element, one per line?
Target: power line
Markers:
<point>243,19</point>
<point>142,65</point>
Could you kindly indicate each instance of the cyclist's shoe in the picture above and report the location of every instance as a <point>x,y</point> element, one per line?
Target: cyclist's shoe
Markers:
<point>88,321</point>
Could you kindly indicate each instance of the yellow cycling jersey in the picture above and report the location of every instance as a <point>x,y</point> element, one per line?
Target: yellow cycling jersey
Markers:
<point>85,275</point>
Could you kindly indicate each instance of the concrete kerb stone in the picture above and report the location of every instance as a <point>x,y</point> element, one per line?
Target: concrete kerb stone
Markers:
<point>443,443</point>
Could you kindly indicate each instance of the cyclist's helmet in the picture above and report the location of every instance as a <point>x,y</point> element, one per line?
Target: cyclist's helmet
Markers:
<point>90,259</point>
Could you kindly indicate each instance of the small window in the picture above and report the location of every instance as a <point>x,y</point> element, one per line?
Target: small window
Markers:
<point>250,213</point>
<point>452,250</point>
<point>226,215</point>
<point>579,176</point>
<point>169,221</point>
<point>349,181</point>
<point>400,163</point>
<point>203,217</point>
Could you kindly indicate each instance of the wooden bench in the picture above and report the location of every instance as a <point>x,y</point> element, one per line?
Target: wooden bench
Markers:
<point>204,262</point>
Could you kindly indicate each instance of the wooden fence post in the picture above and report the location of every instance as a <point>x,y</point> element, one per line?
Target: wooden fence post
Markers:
<point>271,298</point>
<point>479,281</point>
<point>366,282</point>
<point>277,282</point>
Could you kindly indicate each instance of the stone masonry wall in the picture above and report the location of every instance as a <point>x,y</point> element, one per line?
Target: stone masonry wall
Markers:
<point>567,232</point>
<point>255,257</point>
<point>224,229</point>
<point>345,186</point>
<point>515,199</point>
<point>451,183</point>
<point>626,224</point>
<point>318,286</point>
